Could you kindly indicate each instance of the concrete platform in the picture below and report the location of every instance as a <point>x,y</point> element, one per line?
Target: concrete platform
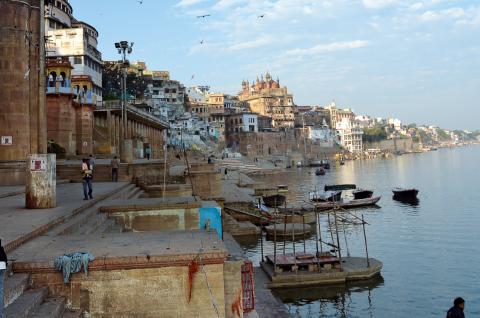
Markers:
<point>18,224</point>
<point>353,269</point>
<point>122,250</point>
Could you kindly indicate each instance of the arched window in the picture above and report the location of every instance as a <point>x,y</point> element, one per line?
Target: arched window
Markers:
<point>52,77</point>
<point>63,77</point>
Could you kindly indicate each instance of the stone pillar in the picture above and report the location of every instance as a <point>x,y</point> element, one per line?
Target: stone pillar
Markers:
<point>40,192</point>
<point>127,151</point>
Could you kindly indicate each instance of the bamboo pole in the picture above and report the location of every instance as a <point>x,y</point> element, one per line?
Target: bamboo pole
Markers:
<point>366,246</point>
<point>285,230</point>
<point>304,243</point>
<point>338,241</point>
<point>261,241</point>
<point>275,239</point>
<point>345,237</point>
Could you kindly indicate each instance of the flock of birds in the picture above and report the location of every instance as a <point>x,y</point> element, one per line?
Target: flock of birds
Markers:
<point>204,16</point>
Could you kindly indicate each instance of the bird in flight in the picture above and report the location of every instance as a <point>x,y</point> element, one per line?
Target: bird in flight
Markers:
<point>261,16</point>
<point>201,42</point>
<point>203,16</point>
<point>140,1</point>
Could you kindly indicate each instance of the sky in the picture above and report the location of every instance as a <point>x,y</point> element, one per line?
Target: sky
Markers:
<point>418,61</point>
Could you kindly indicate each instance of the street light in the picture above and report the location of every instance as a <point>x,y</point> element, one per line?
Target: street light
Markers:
<point>123,49</point>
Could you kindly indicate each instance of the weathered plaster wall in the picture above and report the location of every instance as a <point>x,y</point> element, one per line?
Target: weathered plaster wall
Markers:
<point>154,292</point>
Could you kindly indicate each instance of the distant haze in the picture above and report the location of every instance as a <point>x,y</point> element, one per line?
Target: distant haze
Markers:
<point>418,61</point>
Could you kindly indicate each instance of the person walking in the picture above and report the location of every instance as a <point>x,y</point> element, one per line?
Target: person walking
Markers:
<point>3,268</point>
<point>87,176</point>
<point>91,161</point>
<point>226,174</point>
<point>115,164</point>
<point>457,310</point>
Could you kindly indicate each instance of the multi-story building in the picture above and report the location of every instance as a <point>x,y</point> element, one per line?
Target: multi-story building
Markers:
<point>76,40</point>
<point>315,116</point>
<point>238,123</point>
<point>168,95</point>
<point>350,135</point>
<point>337,115</point>
<point>266,97</point>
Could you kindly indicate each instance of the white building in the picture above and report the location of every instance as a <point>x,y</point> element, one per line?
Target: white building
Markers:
<point>350,135</point>
<point>67,37</point>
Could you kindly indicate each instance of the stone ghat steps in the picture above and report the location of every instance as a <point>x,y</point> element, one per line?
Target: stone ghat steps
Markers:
<point>238,165</point>
<point>238,228</point>
<point>101,173</point>
<point>24,302</point>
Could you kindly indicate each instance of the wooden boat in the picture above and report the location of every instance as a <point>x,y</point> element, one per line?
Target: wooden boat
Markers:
<point>348,204</point>
<point>273,201</point>
<point>286,229</point>
<point>320,172</point>
<point>337,187</point>
<point>325,164</point>
<point>401,194</point>
<point>362,194</point>
<point>282,188</point>
<point>327,196</point>
<point>316,163</point>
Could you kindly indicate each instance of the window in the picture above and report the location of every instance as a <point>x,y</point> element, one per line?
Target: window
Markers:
<point>77,60</point>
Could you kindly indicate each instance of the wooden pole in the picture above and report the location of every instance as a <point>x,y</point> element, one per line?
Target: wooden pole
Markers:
<point>338,241</point>
<point>330,229</point>
<point>304,243</point>
<point>319,232</point>
<point>316,230</point>
<point>284,232</point>
<point>366,246</point>
<point>261,241</point>
<point>275,239</point>
<point>293,235</point>
<point>345,237</point>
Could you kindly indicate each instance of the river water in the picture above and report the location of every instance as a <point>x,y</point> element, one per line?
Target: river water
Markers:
<point>430,252</point>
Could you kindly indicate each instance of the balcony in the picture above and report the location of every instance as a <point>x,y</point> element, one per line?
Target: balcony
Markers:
<point>59,87</point>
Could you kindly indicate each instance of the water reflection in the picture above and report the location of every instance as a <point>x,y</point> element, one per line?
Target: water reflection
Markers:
<point>330,301</point>
<point>427,248</point>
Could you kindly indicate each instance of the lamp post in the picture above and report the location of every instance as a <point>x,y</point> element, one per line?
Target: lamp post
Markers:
<point>126,153</point>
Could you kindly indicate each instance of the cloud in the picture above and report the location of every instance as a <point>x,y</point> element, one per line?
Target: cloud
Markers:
<point>187,3</point>
<point>258,42</point>
<point>378,4</point>
<point>325,48</point>
<point>448,14</point>
<point>226,4</point>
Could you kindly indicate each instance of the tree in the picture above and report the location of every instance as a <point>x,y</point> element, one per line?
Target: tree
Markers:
<point>112,79</point>
<point>374,134</point>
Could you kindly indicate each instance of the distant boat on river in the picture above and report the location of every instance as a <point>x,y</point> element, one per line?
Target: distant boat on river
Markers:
<point>408,195</point>
<point>320,171</point>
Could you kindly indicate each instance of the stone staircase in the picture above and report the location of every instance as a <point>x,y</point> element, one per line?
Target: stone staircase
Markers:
<point>22,301</point>
<point>243,165</point>
<point>239,228</point>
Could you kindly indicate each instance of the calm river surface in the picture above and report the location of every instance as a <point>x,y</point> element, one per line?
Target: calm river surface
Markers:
<point>430,252</point>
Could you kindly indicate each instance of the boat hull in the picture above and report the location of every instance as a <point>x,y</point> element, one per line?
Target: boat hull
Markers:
<point>405,195</point>
<point>362,194</point>
<point>274,201</point>
<point>348,204</point>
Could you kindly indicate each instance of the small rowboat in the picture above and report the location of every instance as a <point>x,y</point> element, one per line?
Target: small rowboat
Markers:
<point>362,194</point>
<point>405,194</point>
<point>351,204</point>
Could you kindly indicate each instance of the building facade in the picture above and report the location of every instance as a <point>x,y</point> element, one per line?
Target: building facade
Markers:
<point>350,135</point>
<point>75,40</point>
<point>267,98</point>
